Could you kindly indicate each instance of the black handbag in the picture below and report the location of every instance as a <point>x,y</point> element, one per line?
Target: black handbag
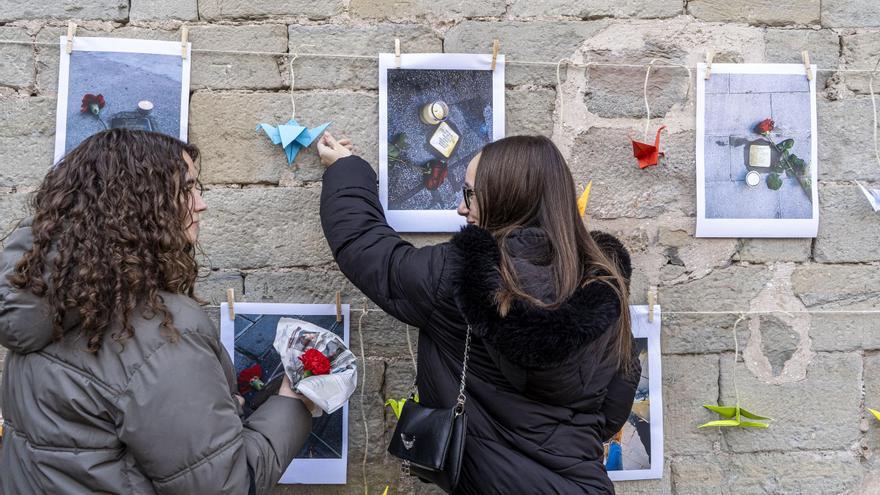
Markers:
<point>430,441</point>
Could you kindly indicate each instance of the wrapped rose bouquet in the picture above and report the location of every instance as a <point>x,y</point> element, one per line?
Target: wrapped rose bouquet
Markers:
<point>318,363</point>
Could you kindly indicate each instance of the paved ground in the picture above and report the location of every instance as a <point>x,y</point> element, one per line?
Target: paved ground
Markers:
<point>469,97</point>
<point>124,79</point>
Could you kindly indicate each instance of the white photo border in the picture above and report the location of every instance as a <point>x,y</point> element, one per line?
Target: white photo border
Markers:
<point>120,45</point>
<point>432,220</point>
<point>641,328</point>
<point>300,471</point>
<point>755,227</point>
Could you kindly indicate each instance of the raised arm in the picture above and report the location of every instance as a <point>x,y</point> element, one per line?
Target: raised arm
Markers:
<point>399,277</point>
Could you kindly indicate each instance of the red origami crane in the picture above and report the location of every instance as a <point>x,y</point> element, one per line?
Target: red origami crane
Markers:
<point>648,155</point>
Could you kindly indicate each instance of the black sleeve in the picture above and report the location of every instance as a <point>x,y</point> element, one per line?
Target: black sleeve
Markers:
<point>619,398</point>
<point>399,277</point>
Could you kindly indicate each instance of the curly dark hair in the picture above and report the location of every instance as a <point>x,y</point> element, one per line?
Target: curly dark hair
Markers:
<point>109,227</point>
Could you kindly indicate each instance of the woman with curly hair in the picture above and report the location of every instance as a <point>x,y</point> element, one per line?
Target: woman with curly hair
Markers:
<point>116,381</point>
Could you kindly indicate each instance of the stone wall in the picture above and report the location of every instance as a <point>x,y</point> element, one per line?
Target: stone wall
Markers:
<point>813,374</point>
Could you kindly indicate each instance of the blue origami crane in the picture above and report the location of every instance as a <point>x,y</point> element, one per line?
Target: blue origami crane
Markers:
<point>292,136</point>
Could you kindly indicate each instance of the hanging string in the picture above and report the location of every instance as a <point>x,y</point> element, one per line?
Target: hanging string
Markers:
<point>687,92</point>
<point>292,82</point>
<point>507,61</point>
<point>559,84</point>
<point>874,112</point>
<point>742,316</point>
<point>363,388</point>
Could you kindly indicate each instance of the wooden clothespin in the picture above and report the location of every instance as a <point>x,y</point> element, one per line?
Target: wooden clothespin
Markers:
<point>496,45</point>
<point>805,56</point>
<point>338,307</point>
<point>184,38</point>
<point>230,301</point>
<point>71,32</point>
<point>397,52</point>
<point>652,300</point>
<point>709,56</point>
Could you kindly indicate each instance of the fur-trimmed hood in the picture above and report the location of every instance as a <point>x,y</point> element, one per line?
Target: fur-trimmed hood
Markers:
<point>531,337</point>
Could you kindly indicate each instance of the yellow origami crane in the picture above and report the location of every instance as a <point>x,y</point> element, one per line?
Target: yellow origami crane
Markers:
<point>735,415</point>
<point>875,412</point>
<point>397,405</point>
<point>584,199</point>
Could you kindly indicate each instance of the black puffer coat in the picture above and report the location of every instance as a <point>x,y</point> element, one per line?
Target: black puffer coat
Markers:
<point>543,390</point>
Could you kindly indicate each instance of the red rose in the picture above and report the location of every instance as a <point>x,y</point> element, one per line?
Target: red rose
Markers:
<point>92,103</point>
<point>249,379</point>
<point>315,363</point>
<point>765,126</point>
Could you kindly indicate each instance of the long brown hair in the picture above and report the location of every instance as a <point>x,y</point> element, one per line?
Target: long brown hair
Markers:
<point>524,181</point>
<point>109,228</point>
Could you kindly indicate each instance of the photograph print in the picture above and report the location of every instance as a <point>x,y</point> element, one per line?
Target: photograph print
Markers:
<point>435,114</point>
<point>636,451</point>
<point>108,83</point>
<point>756,151</point>
<point>250,341</point>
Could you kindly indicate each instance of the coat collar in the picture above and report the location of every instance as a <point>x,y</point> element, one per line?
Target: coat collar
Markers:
<point>529,336</point>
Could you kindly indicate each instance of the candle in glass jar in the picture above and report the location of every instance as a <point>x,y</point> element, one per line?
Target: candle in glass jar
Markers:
<point>435,112</point>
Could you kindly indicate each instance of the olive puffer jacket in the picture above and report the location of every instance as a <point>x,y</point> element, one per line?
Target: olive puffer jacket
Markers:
<point>543,387</point>
<point>149,417</point>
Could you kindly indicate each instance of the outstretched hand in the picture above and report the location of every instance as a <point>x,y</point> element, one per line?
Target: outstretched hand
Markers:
<point>330,150</point>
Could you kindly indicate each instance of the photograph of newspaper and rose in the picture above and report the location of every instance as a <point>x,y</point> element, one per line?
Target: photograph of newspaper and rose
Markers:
<point>250,339</point>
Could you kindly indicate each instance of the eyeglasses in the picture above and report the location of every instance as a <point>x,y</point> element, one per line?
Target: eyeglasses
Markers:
<point>467,192</point>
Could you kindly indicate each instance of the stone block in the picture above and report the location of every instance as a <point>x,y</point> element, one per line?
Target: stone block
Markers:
<point>263,227</point>
<point>688,383</point>
<point>160,10</point>
<point>829,287</point>
<point>872,400</point>
<point>367,40</point>
<point>850,13</point>
<point>847,226</point>
<point>533,40</point>
<point>529,111</point>
<point>212,284</point>
<point>774,250</point>
<point>442,9</point>
<point>13,208</point>
<point>860,50</point>
<point>223,126</point>
<point>620,188</point>
<point>728,289</point>
<point>26,140</point>
<point>845,137</point>
<point>786,45</point>
<point>779,473</point>
<point>110,10</point>
<point>800,423</point>
<point>592,9</point>
<point>231,71</point>
<point>699,334</point>
<point>216,10</point>
<point>16,61</point>
<point>757,12</point>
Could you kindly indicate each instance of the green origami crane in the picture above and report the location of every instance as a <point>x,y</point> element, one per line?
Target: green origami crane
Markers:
<point>735,413</point>
<point>397,405</point>
<point>875,412</point>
